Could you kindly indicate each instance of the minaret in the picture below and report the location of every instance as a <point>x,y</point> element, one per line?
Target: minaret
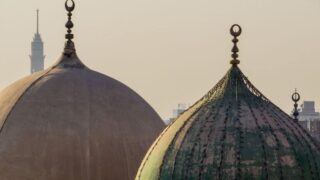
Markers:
<point>37,55</point>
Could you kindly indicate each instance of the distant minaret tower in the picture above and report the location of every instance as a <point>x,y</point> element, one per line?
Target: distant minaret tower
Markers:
<point>37,55</point>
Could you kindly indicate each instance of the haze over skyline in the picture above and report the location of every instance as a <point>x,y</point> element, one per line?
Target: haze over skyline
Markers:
<point>174,51</point>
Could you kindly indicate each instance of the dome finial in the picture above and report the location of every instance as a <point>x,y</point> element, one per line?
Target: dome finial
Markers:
<point>69,48</point>
<point>235,32</point>
<point>295,98</point>
<point>69,24</point>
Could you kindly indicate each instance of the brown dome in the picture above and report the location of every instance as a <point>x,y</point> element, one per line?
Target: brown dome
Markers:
<point>71,123</point>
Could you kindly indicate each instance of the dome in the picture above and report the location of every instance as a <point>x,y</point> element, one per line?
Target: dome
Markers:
<point>233,132</point>
<point>71,123</point>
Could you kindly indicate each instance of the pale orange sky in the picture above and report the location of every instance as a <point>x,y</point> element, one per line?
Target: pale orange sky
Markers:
<point>173,51</point>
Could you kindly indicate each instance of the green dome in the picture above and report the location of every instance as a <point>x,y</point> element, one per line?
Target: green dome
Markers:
<point>233,132</point>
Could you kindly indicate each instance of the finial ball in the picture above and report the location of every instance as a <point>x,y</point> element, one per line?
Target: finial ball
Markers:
<point>235,30</point>
<point>71,7</point>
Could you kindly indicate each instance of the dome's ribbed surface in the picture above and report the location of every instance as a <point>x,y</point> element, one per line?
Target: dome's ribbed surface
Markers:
<point>233,132</point>
<point>72,123</point>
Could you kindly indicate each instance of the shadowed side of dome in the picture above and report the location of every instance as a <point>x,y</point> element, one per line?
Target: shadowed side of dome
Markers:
<point>233,132</point>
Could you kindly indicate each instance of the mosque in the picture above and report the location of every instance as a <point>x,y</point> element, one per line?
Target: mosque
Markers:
<point>233,132</point>
<point>69,122</point>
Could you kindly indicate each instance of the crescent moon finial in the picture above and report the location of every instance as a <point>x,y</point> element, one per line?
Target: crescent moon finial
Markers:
<point>69,46</point>
<point>69,23</point>
<point>70,8</point>
<point>295,98</point>
<point>235,31</point>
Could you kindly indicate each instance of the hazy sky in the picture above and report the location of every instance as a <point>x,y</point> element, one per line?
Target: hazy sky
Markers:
<point>172,51</point>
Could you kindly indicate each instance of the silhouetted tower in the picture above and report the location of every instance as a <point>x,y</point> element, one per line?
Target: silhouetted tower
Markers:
<point>37,55</point>
<point>295,99</point>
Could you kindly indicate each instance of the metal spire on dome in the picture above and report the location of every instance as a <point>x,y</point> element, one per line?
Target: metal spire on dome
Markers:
<point>69,46</point>
<point>69,24</point>
<point>70,58</point>
<point>295,98</point>
<point>235,32</point>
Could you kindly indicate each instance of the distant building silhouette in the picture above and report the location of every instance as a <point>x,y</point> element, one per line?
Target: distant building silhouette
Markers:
<point>176,112</point>
<point>37,55</point>
<point>310,119</point>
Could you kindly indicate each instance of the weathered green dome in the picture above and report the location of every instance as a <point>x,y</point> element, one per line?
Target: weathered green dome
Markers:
<point>233,132</point>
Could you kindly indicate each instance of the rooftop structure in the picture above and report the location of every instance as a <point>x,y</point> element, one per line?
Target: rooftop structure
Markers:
<point>308,109</point>
<point>309,118</point>
<point>177,112</point>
